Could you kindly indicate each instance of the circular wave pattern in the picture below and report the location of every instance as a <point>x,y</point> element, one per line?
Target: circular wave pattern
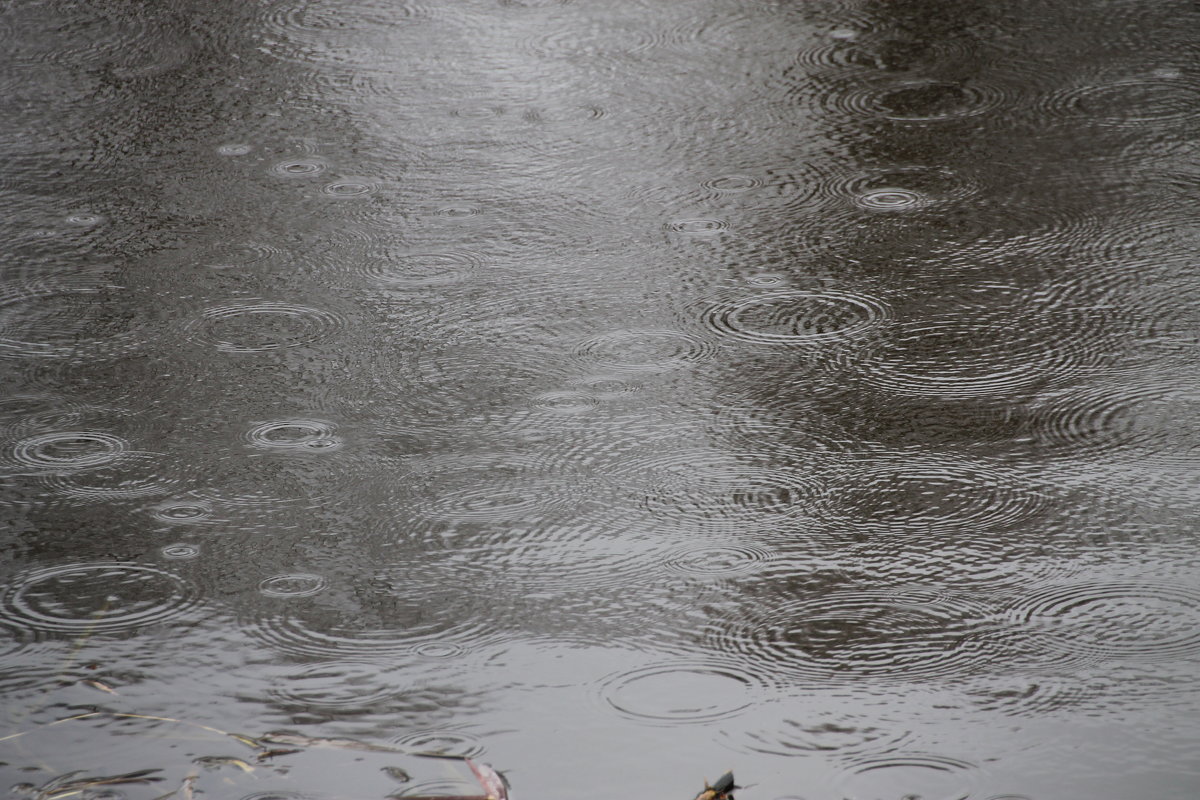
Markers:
<point>130,475</point>
<point>183,512</point>
<point>299,167</point>
<point>645,350</point>
<point>27,413</point>
<point>424,270</point>
<point>566,402</point>
<point>698,226</point>
<point>180,551</point>
<point>61,320</point>
<point>350,187</point>
<point>298,584</point>
<point>1113,620</point>
<point>1113,421</point>
<point>1128,103</point>
<point>338,686</point>
<point>914,495</point>
<point>257,326</point>
<point>295,435</point>
<point>917,775</point>
<point>796,317</point>
<point>69,450</point>
<point>986,355</point>
<point>719,561</point>
<point>819,732</point>
<point>850,635</point>
<point>903,189</point>
<point>916,101</point>
<point>933,100</point>
<point>680,693</point>
<point>732,184</point>
<point>96,597</point>
<point>681,485</point>
<point>317,32</point>
<point>447,741</point>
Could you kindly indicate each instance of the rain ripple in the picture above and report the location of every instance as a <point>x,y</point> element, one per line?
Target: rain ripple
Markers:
<point>1133,102</point>
<point>65,320</point>
<point>932,494</point>
<point>256,326</point>
<point>65,451</point>
<point>682,692</point>
<point>850,635</point>
<point>909,775</point>
<point>418,270</point>
<point>294,435</point>
<point>1139,621</point>
<point>796,317</point>
<point>985,354</point>
<point>645,350</point>
<point>132,474</point>
<point>902,188</point>
<point>99,597</point>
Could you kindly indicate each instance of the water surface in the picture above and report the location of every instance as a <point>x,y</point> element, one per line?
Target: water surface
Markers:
<point>615,393</point>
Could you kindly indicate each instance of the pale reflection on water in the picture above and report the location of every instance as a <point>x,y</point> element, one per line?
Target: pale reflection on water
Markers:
<point>615,393</point>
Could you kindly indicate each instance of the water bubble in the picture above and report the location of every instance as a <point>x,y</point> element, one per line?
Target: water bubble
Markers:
<point>235,149</point>
<point>69,450</point>
<point>299,167</point>
<point>683,692</point>
<point>96,597</point>
<point>255,326</point>
<point>180,551</point>
<point>796,317</point>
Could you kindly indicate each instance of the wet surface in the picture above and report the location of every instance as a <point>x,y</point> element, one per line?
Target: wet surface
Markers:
<point>613,392</point>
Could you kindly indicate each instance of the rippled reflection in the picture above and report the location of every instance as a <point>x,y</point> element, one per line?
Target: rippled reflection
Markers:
<point>600,388</point>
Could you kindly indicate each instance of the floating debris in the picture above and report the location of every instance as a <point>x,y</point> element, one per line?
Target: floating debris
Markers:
<point>722,789</point>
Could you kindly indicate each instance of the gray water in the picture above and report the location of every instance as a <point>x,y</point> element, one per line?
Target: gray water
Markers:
<point>614,392</point>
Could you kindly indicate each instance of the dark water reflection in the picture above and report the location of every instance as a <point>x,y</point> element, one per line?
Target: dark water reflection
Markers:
<point>615,392</point>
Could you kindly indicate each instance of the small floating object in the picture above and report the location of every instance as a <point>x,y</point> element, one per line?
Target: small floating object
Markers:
<point>493,782</point>
<point>722,789</point>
